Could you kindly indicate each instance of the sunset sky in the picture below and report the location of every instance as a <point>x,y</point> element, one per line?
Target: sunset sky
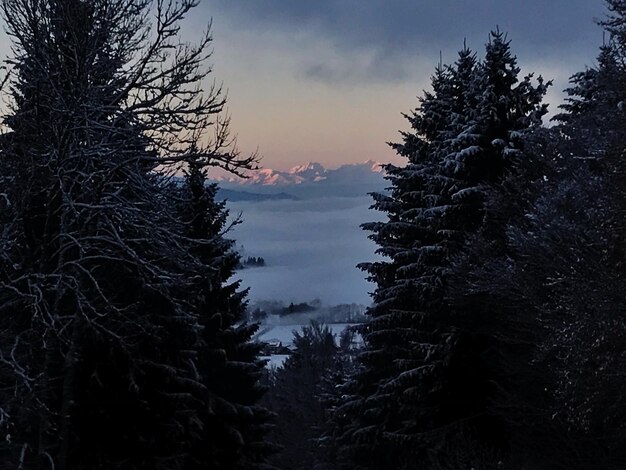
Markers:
<point>327,80</point>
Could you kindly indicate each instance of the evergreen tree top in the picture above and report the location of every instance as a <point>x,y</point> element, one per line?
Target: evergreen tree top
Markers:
<point>595,87</point>
<point>466,134</point>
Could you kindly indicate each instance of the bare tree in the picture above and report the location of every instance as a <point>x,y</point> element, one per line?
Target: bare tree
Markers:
<point>99,340</point>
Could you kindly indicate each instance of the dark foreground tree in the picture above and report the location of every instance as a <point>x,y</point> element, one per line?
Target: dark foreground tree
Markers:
<point>101,355</point>
<point>422,398</point>
<point>568,262</point>
<point>301,392</point>
<point>560,280</point>
<point>234,426</point>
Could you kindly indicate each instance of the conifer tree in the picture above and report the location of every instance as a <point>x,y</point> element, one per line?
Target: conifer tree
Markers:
<point>578,226</point>
<point>414,398</point>
<point>385,401</point>
<point>233,425</point>
<point>558,276</point>
<point>297,397</point>
<point>488,154</point>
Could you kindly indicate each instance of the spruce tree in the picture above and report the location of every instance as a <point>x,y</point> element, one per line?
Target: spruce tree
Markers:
<point>297,396</point>
<point>232,425</point>
<point>557,277</point>
<point>577,225</point>
<point>414,399</point>
<point>385,405</point>
<point>488,154</point>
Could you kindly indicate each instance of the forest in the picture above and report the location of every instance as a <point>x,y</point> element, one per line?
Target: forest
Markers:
<point>497,334</point>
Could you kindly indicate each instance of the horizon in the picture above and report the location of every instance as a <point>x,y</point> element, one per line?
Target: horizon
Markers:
<point>295,167</point>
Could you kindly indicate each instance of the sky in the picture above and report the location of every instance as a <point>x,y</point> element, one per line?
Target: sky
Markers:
<point>328,80</point>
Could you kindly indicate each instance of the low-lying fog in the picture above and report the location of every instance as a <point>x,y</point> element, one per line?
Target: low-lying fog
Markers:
<point>311,248</point>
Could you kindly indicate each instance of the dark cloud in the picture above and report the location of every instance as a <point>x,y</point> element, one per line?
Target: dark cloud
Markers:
<point>398,31</point>
<point>379,65</point>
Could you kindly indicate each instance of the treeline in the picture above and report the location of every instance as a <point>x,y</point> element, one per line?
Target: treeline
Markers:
<point>302,391</point>
<point>275,311</point>
<point>252,262</point>
<point>497,335</point>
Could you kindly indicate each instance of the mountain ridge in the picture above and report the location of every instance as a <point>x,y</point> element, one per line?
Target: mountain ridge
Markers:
<point>309,173</point>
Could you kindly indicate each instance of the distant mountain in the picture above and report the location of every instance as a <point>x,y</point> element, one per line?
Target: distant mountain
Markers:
<point>310,174</point>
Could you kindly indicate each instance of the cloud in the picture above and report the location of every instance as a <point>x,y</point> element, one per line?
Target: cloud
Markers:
<point>370,65</point>
<point>311,247</point>
<point>391,34</point>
